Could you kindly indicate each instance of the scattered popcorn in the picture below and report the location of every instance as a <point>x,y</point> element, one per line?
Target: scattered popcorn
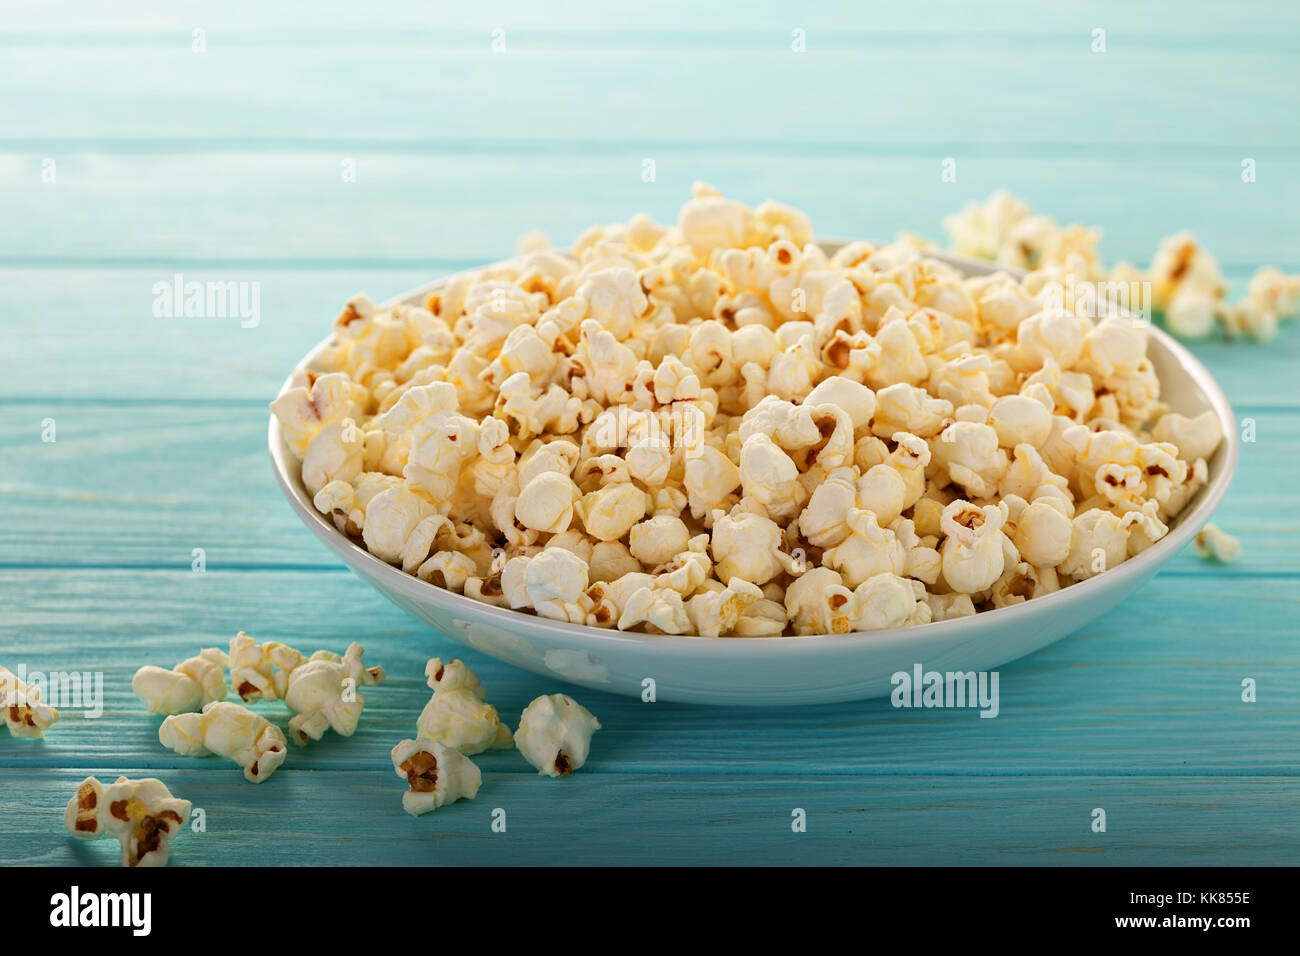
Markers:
<point>24,714</point>
<point>229,730</point>
<point>262,671</point>
<point>1217,545</point>
<point>454,675</point>
<point>1185,281</point>
<point>554,734</point>
<point>190,685</point>
<point>323,693</point>
<point>437,775</point>
<point>719,429</point>
<point>141,814</point>
<point>459,719</point>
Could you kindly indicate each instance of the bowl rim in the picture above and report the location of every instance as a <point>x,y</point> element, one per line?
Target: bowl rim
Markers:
<point>1140,566</point>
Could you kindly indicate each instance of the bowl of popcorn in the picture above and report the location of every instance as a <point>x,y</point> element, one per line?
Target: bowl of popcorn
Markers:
<point>725,462</point>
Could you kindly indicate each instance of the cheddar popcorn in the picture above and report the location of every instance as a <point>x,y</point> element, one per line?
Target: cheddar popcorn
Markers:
<point>719,429</point>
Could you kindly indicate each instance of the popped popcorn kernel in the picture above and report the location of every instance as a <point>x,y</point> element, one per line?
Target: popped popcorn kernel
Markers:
<point>554,734</point>
<point>228,730</point>
<point>190,685</point>
<point>24,714</point>
<point>1215,544</point>
<point>142,815</point>
<point>436,775</point>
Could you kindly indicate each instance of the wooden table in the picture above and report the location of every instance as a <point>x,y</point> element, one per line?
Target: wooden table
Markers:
<point>229,164</point>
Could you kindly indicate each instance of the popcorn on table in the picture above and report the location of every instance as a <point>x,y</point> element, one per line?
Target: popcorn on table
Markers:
<point>436,775</point>
<point>322,693</point>
<point>142,814</point>
<point>229,730</point>
<point>1186,282</point>
<point>24,714</point>
<point>554,734</point>
<point>717,429</point>
<point>190,685</point>
<point>1216,544</point>
<point>457,715</point>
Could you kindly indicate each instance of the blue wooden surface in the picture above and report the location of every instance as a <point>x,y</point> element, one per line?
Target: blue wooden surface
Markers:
<point>226,165</point>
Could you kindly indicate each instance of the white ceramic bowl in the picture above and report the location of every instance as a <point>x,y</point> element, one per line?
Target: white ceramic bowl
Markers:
<point>786,670</point>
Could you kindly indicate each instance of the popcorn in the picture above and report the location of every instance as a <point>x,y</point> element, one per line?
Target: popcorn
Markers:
<point>25,715</point>
<point>659,608</point>
<point>554,734</point>
<point>1273,291</point>
<point>1191,311</point>
<point>1181,263</point>
<point>812,605</point>
<point>1019,419</point>
<point>657,540</point>
<point>1042,534</point>
<point>231,731</point>
<point>971,455</point>
<point>1098,541</point>
<point>769,477</point>
<point>720,430</point>
<point>1194,438</point>
<point>142,815</point>
<point>906,408</point>
<point>881,601</point>
<point>436,775</point>
<point>610,512</point>
<point>1217,545</point>
<point>258,670</point>
<point>323,694</point>
<point>453,675</point>
<point>748,546</point>
<point>546,503</point>
<point>949,607</point>
<point>973,553</point>
<point>869,549</point>
<point>327,399</point>
<point>555,574</point>
<point>724,611</point>
<point>190,685</point>
<point>459,718</point>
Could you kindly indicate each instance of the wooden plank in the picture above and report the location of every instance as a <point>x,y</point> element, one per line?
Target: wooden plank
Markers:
<point>88,20</point>
<point>1151,688</point>
<point>640,819</point>
<point>993,93</point>
<point>138,485</point>
<point>181,210</point>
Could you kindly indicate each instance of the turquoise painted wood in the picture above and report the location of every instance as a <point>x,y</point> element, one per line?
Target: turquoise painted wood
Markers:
<point>226,165</point>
